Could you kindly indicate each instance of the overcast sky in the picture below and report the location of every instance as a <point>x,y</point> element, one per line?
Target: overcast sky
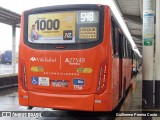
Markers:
<point>19,6</point>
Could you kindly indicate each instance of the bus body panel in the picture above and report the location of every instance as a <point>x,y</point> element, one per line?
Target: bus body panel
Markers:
<point>126,79</point>
<point>127,68</point>
<point>115,79</point>
<point>67,65</point>
<point>54,72</point>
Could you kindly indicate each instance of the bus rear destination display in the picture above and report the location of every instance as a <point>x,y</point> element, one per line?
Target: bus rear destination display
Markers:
<point>63,27</point>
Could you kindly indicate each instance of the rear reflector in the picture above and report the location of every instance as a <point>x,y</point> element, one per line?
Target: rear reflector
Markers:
<point>25,96</point>
<point>97,101</point>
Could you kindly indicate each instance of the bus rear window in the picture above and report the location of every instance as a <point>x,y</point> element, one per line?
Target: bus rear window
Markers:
<point>64,27</point>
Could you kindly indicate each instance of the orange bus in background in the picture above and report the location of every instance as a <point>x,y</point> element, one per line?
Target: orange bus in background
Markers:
<point>73,57</point>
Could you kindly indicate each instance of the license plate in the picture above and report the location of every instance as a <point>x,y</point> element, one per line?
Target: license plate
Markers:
<point>43,81</point>
<point>60,83</point>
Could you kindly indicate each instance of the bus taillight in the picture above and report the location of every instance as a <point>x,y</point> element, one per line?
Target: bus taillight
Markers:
<point>102,80</point>
<point>23,77</point>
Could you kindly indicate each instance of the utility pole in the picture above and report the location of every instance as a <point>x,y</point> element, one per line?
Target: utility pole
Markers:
<point>13,48</point>
<point>157,56</point>
<point>148,54</point>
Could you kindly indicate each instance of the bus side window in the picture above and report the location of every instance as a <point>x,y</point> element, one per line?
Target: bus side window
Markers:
<point>120,41</point>
<point>129,51</point>
<point>115,39</point>
<point>124,47</point>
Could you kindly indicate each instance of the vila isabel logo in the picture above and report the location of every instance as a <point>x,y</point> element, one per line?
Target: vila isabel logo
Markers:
<point>43,59</point>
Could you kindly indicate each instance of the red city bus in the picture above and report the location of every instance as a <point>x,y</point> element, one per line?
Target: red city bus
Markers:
<point>73,57</point>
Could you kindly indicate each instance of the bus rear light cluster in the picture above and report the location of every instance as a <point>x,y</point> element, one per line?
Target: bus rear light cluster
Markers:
<point>102,80</point>
<point>23,76</point>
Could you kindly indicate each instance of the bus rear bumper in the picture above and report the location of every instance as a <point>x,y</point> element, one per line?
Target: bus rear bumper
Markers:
<point>56,101</point>
<point>66,102</point>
